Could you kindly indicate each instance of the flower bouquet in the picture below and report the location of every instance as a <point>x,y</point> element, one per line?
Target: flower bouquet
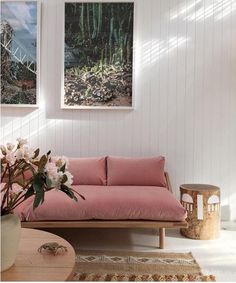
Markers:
<point>25,174</point>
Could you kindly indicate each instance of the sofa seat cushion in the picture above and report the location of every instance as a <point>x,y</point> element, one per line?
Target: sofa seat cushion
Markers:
<point>109,203</point>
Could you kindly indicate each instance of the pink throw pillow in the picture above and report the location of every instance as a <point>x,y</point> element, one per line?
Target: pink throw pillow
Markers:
<point>136,171</point>
<point>88,171</point>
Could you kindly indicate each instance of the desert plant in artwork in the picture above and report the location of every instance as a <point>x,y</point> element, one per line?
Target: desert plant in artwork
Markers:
<point>98,54</point>
<point>18,34</point>
<point>25,174</point>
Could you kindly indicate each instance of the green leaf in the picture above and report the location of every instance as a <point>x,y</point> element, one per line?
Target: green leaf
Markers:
<point>81,196</point>
<point>38,185</point>
<point>36,153</point>
<point>35,163</point>
<point>38,182</point>
<point>48,182</point>
<point>63,168</point>
<point>68,192</point>
<point>39,199</point>
<point>64,179</point>
<point>29,192</point>
<point>42,162</point>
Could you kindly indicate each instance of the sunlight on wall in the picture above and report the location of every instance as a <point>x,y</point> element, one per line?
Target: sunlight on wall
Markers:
<point>34,127</point>
<point>153,50</point>
<point>17,127</point>
<point>198,10</point>
<point>183,10</point>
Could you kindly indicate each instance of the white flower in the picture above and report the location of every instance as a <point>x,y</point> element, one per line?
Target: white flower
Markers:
<point>24,153</point>
<point>60,174</point>
<point>53,174</point>
<point>19,153</point>
<point>10,158</point>
<point>61,160</point>
<point>10,146</point>
<point>69,181</point>
<point>28,153</point>
<point>21,141</point>
<point>51,170</point>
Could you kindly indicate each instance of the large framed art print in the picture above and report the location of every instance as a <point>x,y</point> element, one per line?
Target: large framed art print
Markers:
<point>20,25</point>
<point>98,55</point>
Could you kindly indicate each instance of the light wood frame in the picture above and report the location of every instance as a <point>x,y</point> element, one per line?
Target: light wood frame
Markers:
<point>161,225</point>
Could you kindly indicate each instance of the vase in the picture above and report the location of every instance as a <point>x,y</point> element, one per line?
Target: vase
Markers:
<point>10,239</point>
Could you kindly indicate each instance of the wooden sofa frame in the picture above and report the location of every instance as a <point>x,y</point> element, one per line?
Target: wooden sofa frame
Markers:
<point>161,225</point>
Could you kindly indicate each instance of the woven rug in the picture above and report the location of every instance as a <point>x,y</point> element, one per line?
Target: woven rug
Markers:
<point>137,266</point>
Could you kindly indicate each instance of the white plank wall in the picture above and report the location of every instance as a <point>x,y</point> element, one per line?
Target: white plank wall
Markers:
<point>185,96</point>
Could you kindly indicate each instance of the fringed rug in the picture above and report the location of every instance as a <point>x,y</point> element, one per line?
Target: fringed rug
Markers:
<point>137,266</point>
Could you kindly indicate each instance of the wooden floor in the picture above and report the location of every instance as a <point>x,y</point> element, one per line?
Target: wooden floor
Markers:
<point>217,257</point>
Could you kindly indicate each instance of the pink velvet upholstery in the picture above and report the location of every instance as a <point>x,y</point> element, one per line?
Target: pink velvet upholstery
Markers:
<point>114,203</point>
<point>123,171</point>
<point>88,171</point>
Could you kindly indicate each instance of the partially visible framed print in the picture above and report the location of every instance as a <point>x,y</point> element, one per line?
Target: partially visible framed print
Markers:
<point>20,25</point>
<point>98,55</point>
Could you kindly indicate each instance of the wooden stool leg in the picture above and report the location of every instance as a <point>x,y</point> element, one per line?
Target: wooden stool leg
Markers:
<point>161,238</point>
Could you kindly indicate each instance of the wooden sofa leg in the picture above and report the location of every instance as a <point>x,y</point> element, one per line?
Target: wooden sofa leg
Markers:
<point>161,238</point>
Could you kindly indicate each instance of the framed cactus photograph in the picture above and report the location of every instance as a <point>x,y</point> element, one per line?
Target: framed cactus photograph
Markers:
<point>98,55</point>
<point>20,24</point>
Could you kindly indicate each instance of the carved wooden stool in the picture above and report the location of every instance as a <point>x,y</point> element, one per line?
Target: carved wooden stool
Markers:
<point>202,203</point>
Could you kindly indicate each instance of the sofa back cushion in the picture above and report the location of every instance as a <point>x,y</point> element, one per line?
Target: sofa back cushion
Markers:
<point>88,171</point>
<point>136,171</point>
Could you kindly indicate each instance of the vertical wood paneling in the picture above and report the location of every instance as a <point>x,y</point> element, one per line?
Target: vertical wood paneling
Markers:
<point>181,94</point>
<point>185,95</point>
<point>171,93</point>
<point>163,61</point>
<point>232,100</point>
<point>198,97</point>
<point>189,97</point>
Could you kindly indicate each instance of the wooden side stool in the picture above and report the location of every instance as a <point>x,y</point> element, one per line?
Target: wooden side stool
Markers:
<point>202,203</point>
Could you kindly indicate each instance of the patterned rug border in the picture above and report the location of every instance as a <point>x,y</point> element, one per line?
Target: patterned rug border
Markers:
<point>133,257</point>
<point>161,258</point>
<point>144,277</point>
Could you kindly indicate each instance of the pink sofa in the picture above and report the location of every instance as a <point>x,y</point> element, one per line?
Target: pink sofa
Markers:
<point>118,191</point>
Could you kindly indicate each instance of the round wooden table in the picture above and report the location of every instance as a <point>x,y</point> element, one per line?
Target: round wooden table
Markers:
<point>30,265</point>
<point>202,203</point>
